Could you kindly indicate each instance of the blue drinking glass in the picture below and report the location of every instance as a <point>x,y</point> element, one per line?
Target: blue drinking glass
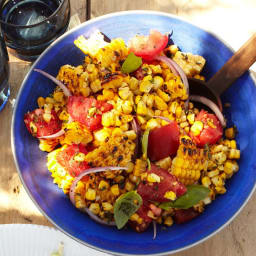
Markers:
<point>4,73</point>
<point>30,26</point>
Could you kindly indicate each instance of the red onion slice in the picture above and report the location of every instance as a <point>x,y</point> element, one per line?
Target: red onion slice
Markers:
<point>53,136</point>
<point>177,70</point>
<point>97,219</point>
<point>163,118</point>
<point>56,81</point>
<point>154,229</point>
<point>211,105</point>
<point>137,130</point>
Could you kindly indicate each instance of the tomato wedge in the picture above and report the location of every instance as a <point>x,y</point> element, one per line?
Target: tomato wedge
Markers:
<point>66,158</point>
<point>79,109</point>
<point>155,191</point>
<point>148,47</point>
<point>212,130</point>
<point>163,141</point>
<point>38,127</point>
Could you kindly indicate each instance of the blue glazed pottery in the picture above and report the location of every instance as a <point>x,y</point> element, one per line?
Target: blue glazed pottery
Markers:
<point>31,162</point>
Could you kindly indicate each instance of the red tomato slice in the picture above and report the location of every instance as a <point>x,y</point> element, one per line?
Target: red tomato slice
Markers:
<point>148,47</point>
<point>182,215</point>
<point>66,159</point>
<point>212,130</point>
<point>163,141</point>
<point>78,108</point>
<point>43,128</point>
<point>156,191</point>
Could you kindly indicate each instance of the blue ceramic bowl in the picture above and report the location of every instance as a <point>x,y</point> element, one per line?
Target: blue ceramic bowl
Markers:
<point>31,162</point>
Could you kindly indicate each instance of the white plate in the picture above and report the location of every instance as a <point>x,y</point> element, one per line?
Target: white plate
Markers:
<point>35,240</point>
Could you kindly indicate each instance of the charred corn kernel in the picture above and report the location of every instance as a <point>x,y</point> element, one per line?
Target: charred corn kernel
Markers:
<point>217,181</point>
<point>158,81</point>
<point>131,134</point>
<point>96,85</point>
<point>117,132</point>
<point>160,104</point>
<point>101,135</point>
<point>127,107</point>
<point>124,93</point>
<point>130,167</point>
<point>95,208</point>
<point>223,175</point>
<point>142,108</point>
<point>168,221</point>
<point>190,105</point>
<point>151,112</point>
<point>40,102</point>
<point>170,195</point>
<point>197,127</point>
<point>140,166</point>
<point>164,163</point>
<point>79,157</point>
<point>152,123</point>
<point>146,85</point>
<point>163,95</point>
<point>103,185</point>
<point>213,173</point>
<point>230,167</point>
<point>58,96</point>
<point>220,190</point>
<point>135,217</point>
<point>90,194</point>
<point>47,117</point>
<point>107,206</point>
<point>108,94</point>
<point>115,190</point>
<point>108,119</point>
<point>219,157</point>
<point>152,177</point>
<point>234,153</point>
<point>137,99</point>
<point>233,144</point>
<point>79,202</point>
<point>129,186</point>
<point>32,127</point>
<point>230,133</point>
<point>49,100</point>
<point>124,127</point>
<point>191,118</point>
<point>219,148</point>
<point>206,181</point>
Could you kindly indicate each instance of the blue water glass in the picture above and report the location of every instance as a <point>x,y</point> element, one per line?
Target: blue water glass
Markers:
<point>4,73</point>
<point>30,26</point>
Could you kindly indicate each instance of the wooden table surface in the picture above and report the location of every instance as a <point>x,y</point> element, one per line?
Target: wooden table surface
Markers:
<point>237,238</point>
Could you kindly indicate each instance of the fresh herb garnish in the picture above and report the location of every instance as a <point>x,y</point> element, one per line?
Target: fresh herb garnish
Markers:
<point>194,194</point>
<point>125,206</point>
<point>131,63</point>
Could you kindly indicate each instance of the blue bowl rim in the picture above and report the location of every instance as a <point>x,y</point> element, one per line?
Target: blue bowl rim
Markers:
<point>121,13</point>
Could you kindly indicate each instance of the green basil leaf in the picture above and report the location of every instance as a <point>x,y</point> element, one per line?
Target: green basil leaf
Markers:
<point>144,143</point>
<point>125,206</point>
<point>131,63</point>
<point>194,194</point>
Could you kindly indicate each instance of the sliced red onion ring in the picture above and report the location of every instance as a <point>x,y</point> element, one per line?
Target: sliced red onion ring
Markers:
<point>163,118</point>
<point>154,228</point>
<point>178,71</point>
<point>53,136</point>
<point>135,126</point>
<point>211,105</point>
<point>97,219</point>
<point>56,81</point>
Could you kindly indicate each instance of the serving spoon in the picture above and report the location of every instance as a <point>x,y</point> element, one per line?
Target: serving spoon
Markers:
<point>237,65</point>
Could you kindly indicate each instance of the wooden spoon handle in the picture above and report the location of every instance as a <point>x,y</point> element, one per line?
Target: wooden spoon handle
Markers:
<point>234,67</point>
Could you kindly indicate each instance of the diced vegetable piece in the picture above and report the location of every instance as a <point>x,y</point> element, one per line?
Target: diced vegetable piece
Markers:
<point>131,63</point>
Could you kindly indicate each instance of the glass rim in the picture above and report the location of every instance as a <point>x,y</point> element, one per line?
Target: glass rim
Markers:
<point>36,24</point>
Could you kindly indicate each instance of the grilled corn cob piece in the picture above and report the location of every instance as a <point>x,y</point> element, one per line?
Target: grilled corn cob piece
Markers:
<point>189,162</point>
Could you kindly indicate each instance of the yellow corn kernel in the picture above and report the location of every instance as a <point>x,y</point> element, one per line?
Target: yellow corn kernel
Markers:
<point>124,127</point>
<point>213,173</point>
<point>220,190</point>
<point>40,102</point>
<point>117,132</point>
<point>217,181</point>
<point>230,167</point>
<point>49,100</point>
<point>183,124</point>
<point>103,185</point>
<point>101,135</point>
<point>134,83</point>
<point>163,95</point>
<point>115,190</point>
<point>146,86</point>
<point>107,206</point>
<point>168,221</point>
<point>219,157</point>
<point>95,208</point>
<point>127,107</point>
<point>157,82</point>
<point>79,202</point>
<point>197,127</point>
<point>170,195</point>
<point>140,166</point>
<point>79,157</point>
<point>130,167</point>
<point>47,117</point>
<point>108,119</point>
<point>223,175</point>
<point>151,112</point>
<point>85,91</point>
<point>58,96</point>
<point>234,153</point>
<point>90,194</point>
<point>152,123</point>
<point>137,99</point>
<point>33,127</point>
<point>178,113</point>
<point>137,218</point>
<point>230,133</point>
<point>191,118</point>
<point>141,108</point>
<point>206,181</point>
<point>233,144</point>
<point>96,85</point>
<point>164,163</point>
<point>152,177</point>
<point>129,186</point>
<point>124,93</point>
<point>131,134</point>
<point>160,104</point>
<point>108,94</point>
